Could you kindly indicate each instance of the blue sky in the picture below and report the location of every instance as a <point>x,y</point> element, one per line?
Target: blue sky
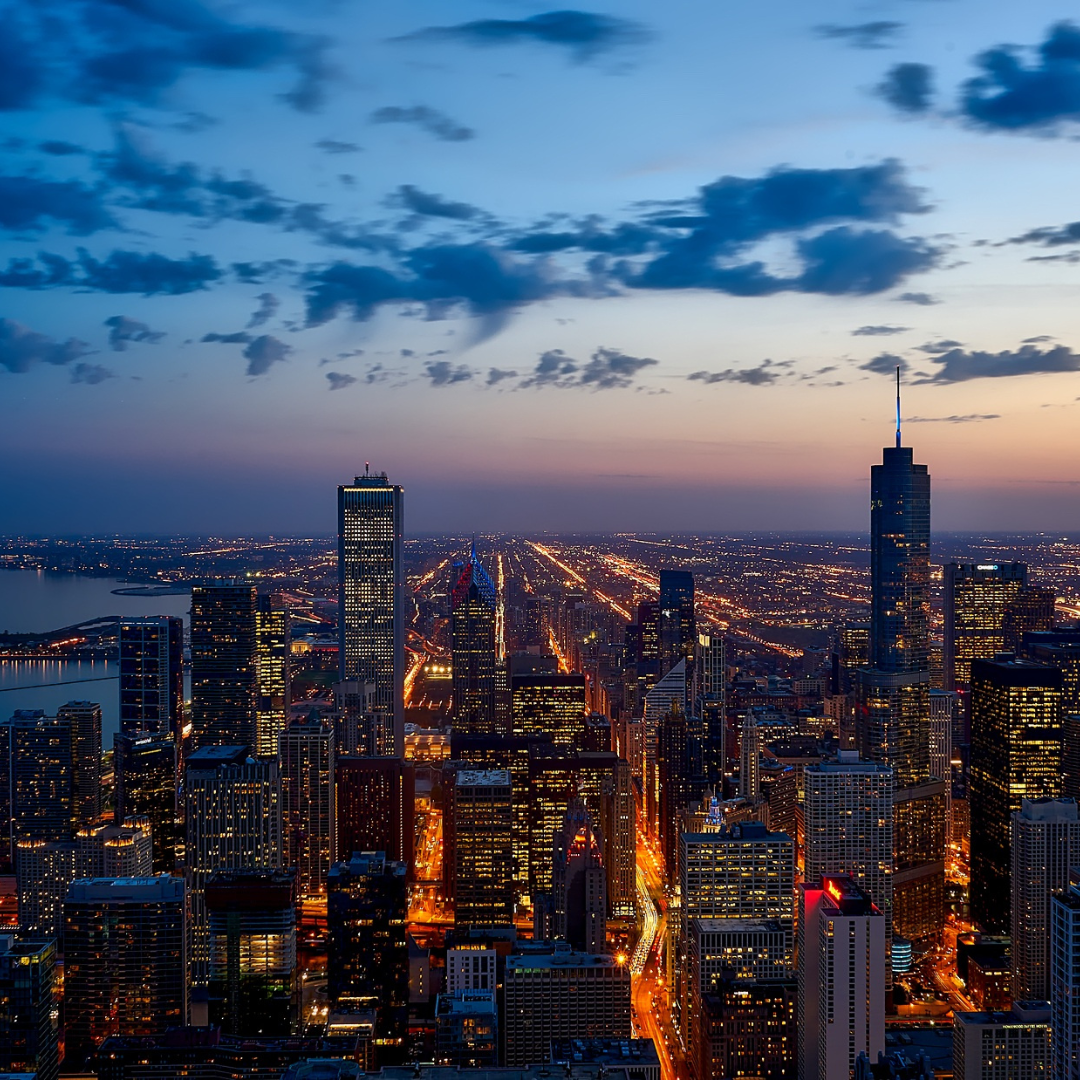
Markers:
<point>640,266</point>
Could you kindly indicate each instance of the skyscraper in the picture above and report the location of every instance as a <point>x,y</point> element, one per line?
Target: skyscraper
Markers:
<point>224,664</point>
<point>40,776</point>
<point>473,605</point>
<point>272,643</point>
<point>374,798</point>
<point>84,719</point>
<point>1016,753</point>
<point>483,828</point>
<point>552,705</point>
<point>1065,982</point>
<point>309,821</point>
<point>28,1035</point>
<point>371,597</point>
<point>151,674</point>
<point>678,625</point>
<point>579,883</point>
<point>125,951</point>
<point>146,784</point>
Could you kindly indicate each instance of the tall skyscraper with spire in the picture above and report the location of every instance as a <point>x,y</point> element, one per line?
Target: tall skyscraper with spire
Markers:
<point>473,605</point>
<point>893,725</point>
<point>371,595</point>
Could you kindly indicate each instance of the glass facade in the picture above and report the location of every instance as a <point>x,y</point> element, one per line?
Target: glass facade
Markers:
<point>473,607</point>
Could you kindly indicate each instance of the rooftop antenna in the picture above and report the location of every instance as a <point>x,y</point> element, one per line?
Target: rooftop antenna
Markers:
<point>367,464</point>
<point>898,406</point>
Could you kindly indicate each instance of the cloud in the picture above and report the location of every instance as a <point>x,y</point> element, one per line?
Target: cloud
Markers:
<point>443,373</point>
<point>908,87</point>
<point>123,330</point>
<point>91,374</point>
<point>585,34</point>
<point>239,338</point>
<point>843,260</point>
<point>264,352</point>
<point>421,202</point>
<point>884,364</point>
<point>151,275</point>
<point>551,369</point>
<point>268,305</point>
<point>427,119</point>
<point>29,204</point>
<point>60,148</point>
<point>336,146</point>
<point>920,298</point>
<point>497,375</point>
<point>868,35</point>
<point>1037,339</point>
<point>936,347</point>
<point>609,369</point>
<point>339,380</point>
<point>21,348</point>
<point>957,365</point>
<point>879,331</point>
<point>762,375</point>
<point>970,418</point>
<point>1050,235</point>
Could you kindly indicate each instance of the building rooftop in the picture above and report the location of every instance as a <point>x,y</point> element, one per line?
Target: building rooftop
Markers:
<point>146,889</point>
<point>737,926</point>
<point>633,1052</point>
<point>564,958</point>
<point>466,1003</point>
<point>217,755</point>
<point>1022,1012</point>
<point>483,778</point>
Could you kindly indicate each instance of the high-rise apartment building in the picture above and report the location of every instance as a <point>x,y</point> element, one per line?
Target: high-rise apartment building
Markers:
<point>367,949</point>
<point>618,823</point>
<point>473,607</point>
<point>125,952</point>
<point>151,650</point>
<point>233,821</point>
<point>375,806</point>
<point>579,891</point>
<point>371,597</point>
<point>1065,983</point>
<point>1004,1045</point>
<point>144,765</point>
<point>673,766</point>
<point>562,996</point>
<point>224,664</point>
<point>84,719</point>
<point>483,826</point>
<point>272,643</point>
<point>841,978</point>
<point>1016,753</point>
<point>552,705</point>
<point>28,1032</point>
<point>40,770</point>
<point>309,820</point>
<point>254,981</point>
<point>1045,846</point>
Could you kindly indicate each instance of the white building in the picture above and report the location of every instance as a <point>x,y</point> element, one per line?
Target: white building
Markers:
<point>470,967</point>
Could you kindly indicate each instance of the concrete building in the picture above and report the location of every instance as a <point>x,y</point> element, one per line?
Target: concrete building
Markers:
<point>467,1029</point>
<point>470,967</point>
<point>1012,1045</point>
<point>746,1028</point>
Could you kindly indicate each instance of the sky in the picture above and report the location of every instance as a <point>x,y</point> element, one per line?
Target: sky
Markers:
<point>636,266</point>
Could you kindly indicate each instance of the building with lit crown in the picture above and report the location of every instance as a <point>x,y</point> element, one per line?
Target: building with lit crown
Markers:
<point>473,606</point>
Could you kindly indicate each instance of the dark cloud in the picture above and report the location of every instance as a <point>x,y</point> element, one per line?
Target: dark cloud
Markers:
<point>443,373</point>
<point>336,146</point>
<point>427,119</point>
<point>762,375</point>
<point>21,348</point>
<point>60,148</point>
<point>339,380</point>
<point>151,275</point>
<point>1050,235</point>
<point>421,202</point>
<point>868,35</point>
<point>844,260</point>
<point>238,338</point>
<point>936,347</point>
<point>29,203</point>
<point>497,375</point>
<point>91,374</point>
<point>879,331</point>
<point>554,368</point>
<point>957,365</point>
<point>268,305</point>
<point>884,364</point>
<point>920,298</point>
<point>970,418</point>
<point>609,369</point>
<point>585,34</point>
<point>264,352</point>
<point>908,87</point>
<point>1037,339</point>
<point>123,330</point>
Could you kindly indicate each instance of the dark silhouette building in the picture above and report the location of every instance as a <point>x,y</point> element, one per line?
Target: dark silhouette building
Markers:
<point>151,651</point>
<point>144,765</point>
<point>375,806</point>
<point>473,653</point>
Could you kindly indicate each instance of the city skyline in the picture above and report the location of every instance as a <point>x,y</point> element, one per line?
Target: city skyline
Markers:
<point>628,270</point>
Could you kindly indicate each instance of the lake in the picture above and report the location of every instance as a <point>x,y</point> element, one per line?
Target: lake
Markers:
<point>32,602</point>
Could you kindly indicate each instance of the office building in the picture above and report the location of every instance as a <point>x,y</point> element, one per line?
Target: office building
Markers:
<point>470,967</point>
<point>1045,846</point>
<point>371,598</point>
<point>375,811</point>
<point>750,949</point>
<point>125,953</point>
<point>84,719</point>
<point>1061,649</point>
<point>144,767</point>
<point>273,695</point>
<point>1065,981</point>
<point>841,978</point>
<point>977,598</point>
<point>308,817</point>
<point>678,625</point>
<point>29,1044</point>
<point>40,769</point>
<point>254,981</point>
<point>233,822</point>
<point>224,664</point>
<point>579,888</point>
<point>673,766</point>
<point>1016,754</point>
<point>552,705</point>
<point>853,654</point>
<point>367,947</point>
<point>746,1028</point>
<point>918,880</point>
<point>151,651</point>
<point>473,607</point>
<point>1012,1045</point>
<point>618,824</point>
<point>467,1029</point>
<point>561,996</point>
<point>483,848</point>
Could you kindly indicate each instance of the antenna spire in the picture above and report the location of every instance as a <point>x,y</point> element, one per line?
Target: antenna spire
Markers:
<point>898,406</point>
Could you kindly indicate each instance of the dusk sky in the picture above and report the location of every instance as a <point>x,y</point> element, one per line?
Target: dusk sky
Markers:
<point>645,266</point>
